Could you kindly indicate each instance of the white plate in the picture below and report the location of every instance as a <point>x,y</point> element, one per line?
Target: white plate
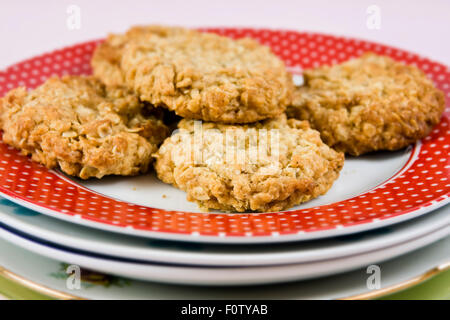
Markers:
<point>373,191</point>
<point>74,236</point>
<point>221,275</point>
<point>47,276</point>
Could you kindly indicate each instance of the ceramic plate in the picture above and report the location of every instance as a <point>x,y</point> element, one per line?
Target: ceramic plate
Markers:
<point>226,276</point>
<point>109,244</point>
<point>48,277</point>
<point>373,191</point>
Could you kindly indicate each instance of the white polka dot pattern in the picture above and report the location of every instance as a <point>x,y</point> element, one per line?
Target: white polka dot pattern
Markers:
<point>424,182</point>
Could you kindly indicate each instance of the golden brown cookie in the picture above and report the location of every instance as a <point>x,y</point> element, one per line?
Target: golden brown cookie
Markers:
<point>265,166</point>
<point>107,57</point>
<point>106,60</point>
<point>368,104</point>
<point>197,75</point>
<point>81,126</point>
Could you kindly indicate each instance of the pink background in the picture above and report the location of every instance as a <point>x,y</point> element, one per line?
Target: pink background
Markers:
<point>32,27</point>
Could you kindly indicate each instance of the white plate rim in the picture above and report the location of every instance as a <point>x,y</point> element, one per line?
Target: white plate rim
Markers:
<point>150,254</point>
<point>226,276</point>
<point>345,290</point>
<point>238,239</point>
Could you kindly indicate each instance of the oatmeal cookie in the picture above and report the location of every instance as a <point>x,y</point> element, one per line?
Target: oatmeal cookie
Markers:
<point>197,75</point>
<point>108,55</point>
<point>368,104</point>
<point>267,166</point>
<point>105,61</point>
<point>81,126</point>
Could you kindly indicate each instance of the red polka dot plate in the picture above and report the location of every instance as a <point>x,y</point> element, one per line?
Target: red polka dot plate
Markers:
<point>373,191</point>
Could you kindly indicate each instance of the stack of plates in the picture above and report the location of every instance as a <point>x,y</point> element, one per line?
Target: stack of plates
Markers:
<point>383,206</point>
<point>179,262</point>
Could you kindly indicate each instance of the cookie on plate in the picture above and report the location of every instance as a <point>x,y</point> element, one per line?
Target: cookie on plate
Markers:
<point>368,104</point>
<point>198,75</point>
<point>107,57</point>
<point>265,166</point>
<point>81,126</point>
